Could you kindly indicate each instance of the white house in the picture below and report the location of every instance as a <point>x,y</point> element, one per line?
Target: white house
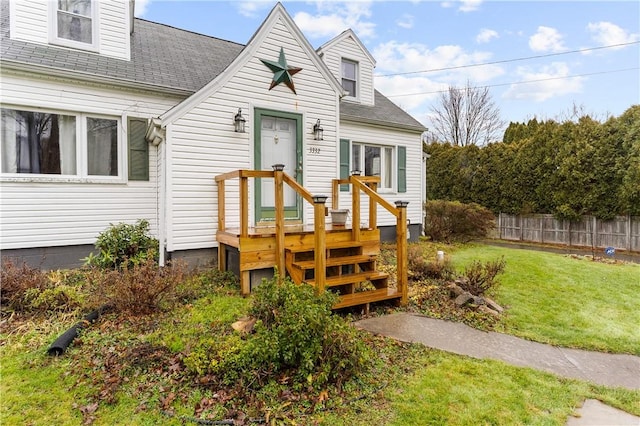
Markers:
<point>107,118</point>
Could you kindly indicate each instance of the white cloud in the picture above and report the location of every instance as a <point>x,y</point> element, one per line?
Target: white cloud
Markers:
<point>463,5</point>
<point>607,34</point>
<point>141,7</point>
<point>406,21</point>
<point>546,40</point>
<point>393,57</point>
<point>334,17</point>
<point>548,82</point>
<point>252,9</point>
<point>485,35</point>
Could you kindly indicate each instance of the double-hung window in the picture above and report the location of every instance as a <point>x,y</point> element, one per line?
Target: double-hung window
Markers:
<point>374,160</point>
<point>65,144</point>
<point>74,23</point>
<point>350,77</point>
<point>383,161</point>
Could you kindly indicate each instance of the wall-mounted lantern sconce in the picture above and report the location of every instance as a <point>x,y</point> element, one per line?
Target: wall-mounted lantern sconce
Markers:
<point>239,121</point>
<point>318,131</point>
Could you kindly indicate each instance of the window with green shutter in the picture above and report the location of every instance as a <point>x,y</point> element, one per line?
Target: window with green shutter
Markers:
<point>402,169</point>
<point>344,162</point>
<point>138,149</point>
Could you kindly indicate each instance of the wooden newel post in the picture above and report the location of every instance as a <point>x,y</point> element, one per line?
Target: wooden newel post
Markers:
<point>320,240</point>
<point>279,201</point>
<point>401,243</point>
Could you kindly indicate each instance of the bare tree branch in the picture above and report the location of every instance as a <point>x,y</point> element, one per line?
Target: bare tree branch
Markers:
<point>466,116</point>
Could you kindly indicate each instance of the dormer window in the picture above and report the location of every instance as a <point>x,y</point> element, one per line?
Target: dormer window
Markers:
<point>74,23</point>
<point>350,77</point>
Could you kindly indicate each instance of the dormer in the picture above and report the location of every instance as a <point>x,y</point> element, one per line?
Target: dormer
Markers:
<point>101,27</point>
<point>352,64</point>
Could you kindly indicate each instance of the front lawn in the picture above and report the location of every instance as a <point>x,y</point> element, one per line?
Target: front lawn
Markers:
<point>565,300</point>
<point>134,369</point>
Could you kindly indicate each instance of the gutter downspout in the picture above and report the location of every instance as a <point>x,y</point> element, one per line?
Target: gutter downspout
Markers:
<point>155,135</point>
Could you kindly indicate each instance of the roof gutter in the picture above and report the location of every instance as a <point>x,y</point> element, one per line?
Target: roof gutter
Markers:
<point>400,126</point>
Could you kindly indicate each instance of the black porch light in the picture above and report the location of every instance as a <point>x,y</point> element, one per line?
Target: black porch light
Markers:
<point>318,131</point>
<point>239,121</point>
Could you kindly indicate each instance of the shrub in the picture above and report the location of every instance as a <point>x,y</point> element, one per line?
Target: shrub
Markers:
<point>139,289</point>
<point>452,221</point>
<point>421,268</point>
<point>16,281</point>
<point>296,335</point>
<point>124,245</point>
<point>25,289</point>
<point>479,277</point>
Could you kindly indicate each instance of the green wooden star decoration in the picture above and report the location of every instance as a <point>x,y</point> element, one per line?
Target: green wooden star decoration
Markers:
<point>282,73</point>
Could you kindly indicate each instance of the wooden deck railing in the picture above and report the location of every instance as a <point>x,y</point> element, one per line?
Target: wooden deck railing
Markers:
<point>280,178</point>
<point>368,185</point>
<point>364,184</point>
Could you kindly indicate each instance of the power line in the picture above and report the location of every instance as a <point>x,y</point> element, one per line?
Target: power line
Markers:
<point>520,82</point>
<point>509,60</point>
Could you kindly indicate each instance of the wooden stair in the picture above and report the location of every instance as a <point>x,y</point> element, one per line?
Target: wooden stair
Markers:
<point>350,272</point>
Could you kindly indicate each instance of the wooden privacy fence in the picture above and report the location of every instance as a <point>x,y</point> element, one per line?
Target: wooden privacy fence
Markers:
<point>621,232</point>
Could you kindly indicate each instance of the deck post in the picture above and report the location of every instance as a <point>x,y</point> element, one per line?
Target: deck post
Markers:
<point>222,265</point>
<point>355,208</point>
<point>320,242</point>
<point>244,206</point>
<point>373,207</point>
<point>279,201</point>
<point>401,246</point>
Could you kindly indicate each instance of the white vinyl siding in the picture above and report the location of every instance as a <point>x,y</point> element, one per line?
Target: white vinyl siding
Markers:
<point>33,21</point>
<point>204,144</point>
<point>348,50</point>
<point>375,135</point>
<point>45,212</point>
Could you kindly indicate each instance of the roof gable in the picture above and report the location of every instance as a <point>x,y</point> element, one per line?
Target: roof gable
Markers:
<point>343,36</point>
<point>278,13</point>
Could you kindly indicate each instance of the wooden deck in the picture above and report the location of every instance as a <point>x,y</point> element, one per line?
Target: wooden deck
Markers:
<point>334,258</point>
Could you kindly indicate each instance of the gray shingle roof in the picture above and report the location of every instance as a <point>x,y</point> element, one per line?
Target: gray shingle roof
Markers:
<point>384,112</point>
<point>161,56</point>
<point>167,59</point>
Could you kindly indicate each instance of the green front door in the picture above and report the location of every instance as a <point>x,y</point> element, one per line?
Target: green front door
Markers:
<point>278,140</point>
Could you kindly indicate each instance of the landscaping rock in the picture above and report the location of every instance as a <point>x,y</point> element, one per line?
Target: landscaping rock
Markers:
<point>488,310</point>
<point>479,301</point>
<point>464,298</point>
<point>454,289</point>
<point>244,325</point>
<point>493,305</point>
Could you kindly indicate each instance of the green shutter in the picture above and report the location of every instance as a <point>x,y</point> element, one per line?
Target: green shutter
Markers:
<point>402,169</point>
<point>344,162</point>
<point>138,149</point>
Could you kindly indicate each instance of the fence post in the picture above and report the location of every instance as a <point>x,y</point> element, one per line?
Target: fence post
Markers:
<point>629,232</point>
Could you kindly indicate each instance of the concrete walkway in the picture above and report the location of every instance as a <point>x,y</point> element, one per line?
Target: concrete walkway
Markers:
<point>600,368</point>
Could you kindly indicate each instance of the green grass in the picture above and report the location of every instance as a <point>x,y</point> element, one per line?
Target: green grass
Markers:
<point>552,298</point>
<point>457,390</point>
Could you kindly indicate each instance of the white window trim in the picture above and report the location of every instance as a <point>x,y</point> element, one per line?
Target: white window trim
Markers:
<point>95,27</point>
<point>82,154</point>
<point>394,164</point>
<point>357,64</point>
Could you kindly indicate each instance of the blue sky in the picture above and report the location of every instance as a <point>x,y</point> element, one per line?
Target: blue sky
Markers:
<point>423,47</point>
